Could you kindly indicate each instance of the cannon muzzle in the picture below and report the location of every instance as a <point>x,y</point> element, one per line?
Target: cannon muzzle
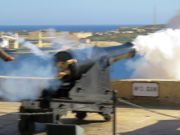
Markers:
<point>116,53</point>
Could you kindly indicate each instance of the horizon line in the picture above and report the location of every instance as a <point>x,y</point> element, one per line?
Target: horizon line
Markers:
<point>78,24</point>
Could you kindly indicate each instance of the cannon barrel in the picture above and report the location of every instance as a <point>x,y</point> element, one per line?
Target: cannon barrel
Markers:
<point>116,53</point>
<point>76,62</point>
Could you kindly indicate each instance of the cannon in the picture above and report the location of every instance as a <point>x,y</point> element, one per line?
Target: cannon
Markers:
<point>85,86</point>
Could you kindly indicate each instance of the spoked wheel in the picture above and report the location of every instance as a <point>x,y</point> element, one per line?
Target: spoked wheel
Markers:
<point>81,115</point>
<point>26,126</point>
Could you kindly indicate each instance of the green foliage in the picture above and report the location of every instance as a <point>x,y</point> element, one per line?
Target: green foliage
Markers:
<point>122,34</point>
<point>114,37</point>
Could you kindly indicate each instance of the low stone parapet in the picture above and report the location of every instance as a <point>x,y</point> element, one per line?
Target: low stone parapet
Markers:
<point>145,90</point>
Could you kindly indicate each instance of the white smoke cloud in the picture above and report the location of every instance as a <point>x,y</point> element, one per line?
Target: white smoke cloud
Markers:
<point>18,89</point>
<point>34,49</point>
<point>161,53</point>
<point>33,65</point>
<point>4,43</point>
<point>67,41</point>
<point>38,64</point>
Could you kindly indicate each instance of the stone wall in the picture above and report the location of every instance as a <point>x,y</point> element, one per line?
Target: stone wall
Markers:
<point>168,90</point>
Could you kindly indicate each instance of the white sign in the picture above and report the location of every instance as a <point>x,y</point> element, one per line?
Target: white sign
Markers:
<point>145,89</point>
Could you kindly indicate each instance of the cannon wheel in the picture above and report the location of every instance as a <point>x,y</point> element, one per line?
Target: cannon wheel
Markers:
<point>107,117</point>
<point>26,126</point>
<point>81,115</point>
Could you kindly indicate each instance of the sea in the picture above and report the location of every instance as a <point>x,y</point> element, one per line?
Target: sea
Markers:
<point>67,28</point>
<point>118,70</point>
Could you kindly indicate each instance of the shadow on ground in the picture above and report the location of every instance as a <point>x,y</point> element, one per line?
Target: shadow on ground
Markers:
<point>8,126</point>
<point>163,127</point>
<point>81,122</point>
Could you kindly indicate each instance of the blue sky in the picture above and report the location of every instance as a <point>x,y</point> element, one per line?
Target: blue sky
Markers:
<point>93,12</point>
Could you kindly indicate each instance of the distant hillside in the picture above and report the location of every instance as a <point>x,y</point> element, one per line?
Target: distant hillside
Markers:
<point>125,34</point>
